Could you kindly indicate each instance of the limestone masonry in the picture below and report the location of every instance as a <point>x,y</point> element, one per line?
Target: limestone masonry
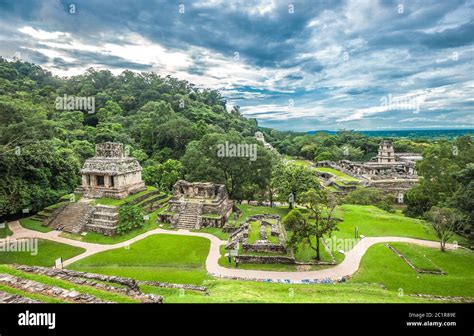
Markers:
<point>110,173</point>
<point>196,205</point>
<point>390,172</point>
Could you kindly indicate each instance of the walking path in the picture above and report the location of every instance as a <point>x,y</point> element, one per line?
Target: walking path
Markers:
<point>347,267</point>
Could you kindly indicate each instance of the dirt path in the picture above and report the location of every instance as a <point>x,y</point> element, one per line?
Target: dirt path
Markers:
<point>347,267</point>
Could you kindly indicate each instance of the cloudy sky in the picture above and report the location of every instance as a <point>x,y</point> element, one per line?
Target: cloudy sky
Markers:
<point>299,65</point>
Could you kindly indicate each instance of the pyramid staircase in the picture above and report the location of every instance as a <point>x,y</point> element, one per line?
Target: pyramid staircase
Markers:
<point>189,217</point>
<point>104,220</point>
<point>72,218</point>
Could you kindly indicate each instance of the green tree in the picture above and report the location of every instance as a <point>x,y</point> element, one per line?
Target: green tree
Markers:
<point>203,162</point>
<point>292,180</point>
<point>324,156</point>
<point>445,223</point>
<point>163,176</point>
<point>370,196</point>
<point>309,231</point>
<point>438,169</point>
<point>109,111</point>
<point>130,217</point>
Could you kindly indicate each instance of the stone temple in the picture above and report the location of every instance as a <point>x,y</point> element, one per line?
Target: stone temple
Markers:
<point>110,173</point>
<point>196,205</point>
<point>386,163</point>
<point>391,172</point>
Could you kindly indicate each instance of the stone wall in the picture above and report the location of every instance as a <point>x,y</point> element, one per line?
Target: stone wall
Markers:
<point>35,287</point>
<point>254,259</point>
<point>212,222</point>
<point>263,248</point>
<point>103,220</point>
<point>130,286</point>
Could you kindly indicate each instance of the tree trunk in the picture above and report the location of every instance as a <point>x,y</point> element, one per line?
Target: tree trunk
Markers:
<point>318,256</point>
<point>443,245</point>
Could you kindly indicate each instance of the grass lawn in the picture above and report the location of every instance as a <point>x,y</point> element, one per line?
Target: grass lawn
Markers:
<point>417,256</point>
<point>306,254</point>
<point>254,232</point>
<point>214,231</point>
<point>169,258</point>
<point>331,188</point>
<point>374,222</point>
<point>47,253</point>
<point>299,162</point>
<point>337,173</point>
<point>5,232</point>
<point>272,239</point>
<point>118,202</point>
<point>229,291</point>
<point>32,224</point>
<point>381,265</point>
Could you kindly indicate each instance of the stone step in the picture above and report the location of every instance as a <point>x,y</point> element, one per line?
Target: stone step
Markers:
<point>103,222</point>
<point>106,209</point>
<point>105,215</point>
<point>72,218</point>
<point>15,298</point>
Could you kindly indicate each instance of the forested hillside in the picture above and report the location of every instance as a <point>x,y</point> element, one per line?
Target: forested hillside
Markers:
<point>42,148</point>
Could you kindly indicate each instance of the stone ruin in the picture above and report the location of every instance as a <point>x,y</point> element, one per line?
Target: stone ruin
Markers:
<point>110,173</point>
<point>260,137</point>
<point>262,251</point>
<point>391,172</point>
<point>113,284</point>
<point>196,205</point>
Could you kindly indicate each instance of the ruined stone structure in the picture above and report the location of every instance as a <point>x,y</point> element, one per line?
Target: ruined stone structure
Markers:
<point>386,163</point>
<point>112,284</point>
<point>276,229</point>
<point>196,205</point>
<point>390,172</point>
<point>110,173</point>
<point>260,137</point>
<point>386,152</point>
<point>77,217</point>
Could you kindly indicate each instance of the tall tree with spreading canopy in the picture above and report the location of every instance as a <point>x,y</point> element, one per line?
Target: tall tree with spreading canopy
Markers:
<point>445,223</point>
<point>308,231</point>
<point>292,180</point>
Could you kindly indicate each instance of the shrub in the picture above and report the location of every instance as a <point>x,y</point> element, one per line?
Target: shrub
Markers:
<point>370,196</point>
<point>130,217</point>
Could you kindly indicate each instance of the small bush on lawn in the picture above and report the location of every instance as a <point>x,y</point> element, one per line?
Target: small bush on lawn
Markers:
<point>131,217</point>
<point>370,196</point>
